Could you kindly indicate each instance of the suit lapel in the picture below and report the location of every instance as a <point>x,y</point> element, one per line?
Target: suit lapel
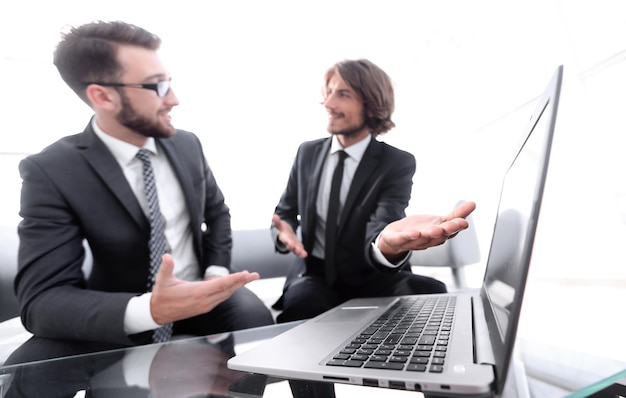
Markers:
<point>104,164</point>
<point>313,183</point>
<point>317,161</point>
<point>180,165</point>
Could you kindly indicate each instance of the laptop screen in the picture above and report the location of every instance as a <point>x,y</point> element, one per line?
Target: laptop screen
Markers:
<point>515,226</point>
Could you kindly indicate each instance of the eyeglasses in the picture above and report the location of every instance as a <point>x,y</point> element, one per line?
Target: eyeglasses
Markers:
<point>162,88</point>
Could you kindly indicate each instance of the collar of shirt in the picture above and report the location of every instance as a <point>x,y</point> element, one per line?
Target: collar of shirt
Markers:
<point>355,151</point>
<point>122,151</point>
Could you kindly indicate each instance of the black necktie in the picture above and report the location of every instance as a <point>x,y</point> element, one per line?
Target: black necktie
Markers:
<point>332,219</point>
<point>157,243</point>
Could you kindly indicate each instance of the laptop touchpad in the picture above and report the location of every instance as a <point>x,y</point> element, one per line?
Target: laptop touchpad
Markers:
<point>348,314</point>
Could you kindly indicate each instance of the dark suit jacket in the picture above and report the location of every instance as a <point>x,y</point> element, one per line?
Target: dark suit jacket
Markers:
<point>379,194</point>
<point>75,190</point>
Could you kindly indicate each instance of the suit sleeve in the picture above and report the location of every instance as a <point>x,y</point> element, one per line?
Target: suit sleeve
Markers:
<point>50,284</point>
<point>287,208</point>
<point>217,239</point>
<point>393,199</point>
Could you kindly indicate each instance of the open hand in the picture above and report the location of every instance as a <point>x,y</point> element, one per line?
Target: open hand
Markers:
<point>174,299</point>
<point>288,237</point>
<point>419,232</point>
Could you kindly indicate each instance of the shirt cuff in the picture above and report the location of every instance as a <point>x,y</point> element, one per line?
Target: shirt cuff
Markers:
<point>216,270</point>
<point>138,318</point>
<point>381,259</point>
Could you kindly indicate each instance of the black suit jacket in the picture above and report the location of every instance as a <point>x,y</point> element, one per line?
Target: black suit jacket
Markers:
<point>379,194</point>
<point>74,190</point>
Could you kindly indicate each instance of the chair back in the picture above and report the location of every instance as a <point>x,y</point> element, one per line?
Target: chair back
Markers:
<point>11,184</point>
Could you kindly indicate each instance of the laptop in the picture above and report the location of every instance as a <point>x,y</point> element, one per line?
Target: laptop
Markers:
<point>448,344</point>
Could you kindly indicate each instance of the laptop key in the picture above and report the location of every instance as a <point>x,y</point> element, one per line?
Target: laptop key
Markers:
<point>353,364</point>
<point>349,363</point>
<point>435,369</point>
<point>393,339</point>
<point>384,365</point>
<point>369,331</point>
<point>427,340</point>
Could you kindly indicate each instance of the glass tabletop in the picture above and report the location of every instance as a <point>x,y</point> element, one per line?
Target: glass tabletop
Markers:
<point>196,367</point>
<point>190,367</point>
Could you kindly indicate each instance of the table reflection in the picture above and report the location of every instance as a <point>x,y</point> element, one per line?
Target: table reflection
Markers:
<point>186,368</point>
<point>193,368</point>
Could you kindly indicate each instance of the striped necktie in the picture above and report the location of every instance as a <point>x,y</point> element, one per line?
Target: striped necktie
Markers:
<point>157,243</point>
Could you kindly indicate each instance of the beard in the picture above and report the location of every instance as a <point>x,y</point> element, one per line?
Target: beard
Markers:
<point>352,129</point>
<point>130,118</point>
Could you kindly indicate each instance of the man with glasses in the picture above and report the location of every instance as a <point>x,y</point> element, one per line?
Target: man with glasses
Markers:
<point>141,195</point>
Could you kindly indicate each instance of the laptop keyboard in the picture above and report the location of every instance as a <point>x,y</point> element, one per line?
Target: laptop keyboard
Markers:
<point>411,336</point>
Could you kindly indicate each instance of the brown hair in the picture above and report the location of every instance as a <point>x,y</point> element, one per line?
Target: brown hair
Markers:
<point>374,86</point>
<point>89,52</point>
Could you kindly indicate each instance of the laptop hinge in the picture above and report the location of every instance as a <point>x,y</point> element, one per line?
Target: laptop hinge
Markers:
<point>483,351</point>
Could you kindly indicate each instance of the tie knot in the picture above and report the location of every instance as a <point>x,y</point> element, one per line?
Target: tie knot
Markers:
<point>342,156</point>
<point>143,155</point>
